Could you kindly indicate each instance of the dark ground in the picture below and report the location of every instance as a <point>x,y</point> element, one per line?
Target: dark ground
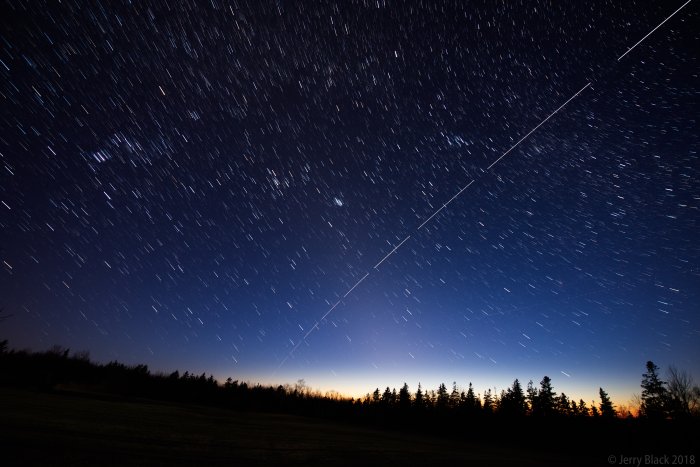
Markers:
<point>74,429</point>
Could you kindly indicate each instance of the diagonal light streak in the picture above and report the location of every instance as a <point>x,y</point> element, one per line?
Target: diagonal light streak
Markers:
<point>464,188</point>
<point>652,31</point>
<point>391,252</point>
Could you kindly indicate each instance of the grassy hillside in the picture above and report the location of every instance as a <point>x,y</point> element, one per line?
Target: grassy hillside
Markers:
<point>81,429</point>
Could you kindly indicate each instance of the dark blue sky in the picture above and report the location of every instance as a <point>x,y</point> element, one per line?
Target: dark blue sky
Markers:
<point>194,186</point>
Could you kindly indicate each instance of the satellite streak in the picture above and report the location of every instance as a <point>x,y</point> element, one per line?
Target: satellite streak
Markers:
<point>538,125</point>
<point>391,252</point>
<point>527,135</point>
<point>316,324</point>
<point>652,31</point>
<point>357,283</point>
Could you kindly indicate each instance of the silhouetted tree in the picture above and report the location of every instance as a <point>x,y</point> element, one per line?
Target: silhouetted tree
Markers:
<point>513,402</point>
<point>442,397</point>
<point>518,398</point>
<point>300,387</point>
<point>531,396</point>
<point>430,398</point>
<point>606,406</point>
<point>376,397</point>
<point>545,401</point>
<point>471,403</point>
<point>574,409</point>
<point>501,401</point>
<point>488,402</point>
<point>562,404</point>
<point>419,402</point>
<point>654,393</point>
<point>404,397</point>
<point>454,396</point>
<point>682,394</point>
<point>387,398</point>
<point>582,408</point>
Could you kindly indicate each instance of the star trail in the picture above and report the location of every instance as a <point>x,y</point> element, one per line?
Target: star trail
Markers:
<point>320,190</point>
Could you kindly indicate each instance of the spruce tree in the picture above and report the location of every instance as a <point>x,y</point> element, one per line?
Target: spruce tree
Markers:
<point>532,396</point>
<point>563,407</point>
<point>442,396</point>
<point>545,402</point>
<point>454,396</point>
<point>513,402</point>
<point>404,397</point>
<point>582,408</point>
<point>430,398</point>
<point>574,409</point>
<point>654,393</point>
<point>470,400</point>
<point>386,397</point>
<point>419,401</point>
<point>488,402</point>
<point>518,398</point>
<point>606,407</point>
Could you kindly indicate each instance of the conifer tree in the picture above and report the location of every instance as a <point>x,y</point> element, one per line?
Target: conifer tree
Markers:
<point>512,401</point>
<point>654,393</point>
<point>574,409</point>
<point>419,401</point>
<point>470,401</point>
<point>606,407</point>
<point>488,402</point>
<point>454,396</point>
<point>545,401</point>
<point>386,397</point>
<point>518,398</point>
<point>430,398</point>
<point>442,397</point>
<point>563,407</point>
<point>404,397</point>
<point>532,396</point>
<point>582,408</point>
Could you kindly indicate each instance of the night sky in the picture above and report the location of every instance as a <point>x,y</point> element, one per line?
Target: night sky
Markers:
<point>194,185</point>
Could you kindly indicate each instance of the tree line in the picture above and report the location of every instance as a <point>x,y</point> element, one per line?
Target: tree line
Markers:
<point>676,398</point>
<point>512,402</point>
<point>58,368</point>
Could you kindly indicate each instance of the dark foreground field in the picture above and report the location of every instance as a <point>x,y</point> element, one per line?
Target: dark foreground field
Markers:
<point>73,429</point>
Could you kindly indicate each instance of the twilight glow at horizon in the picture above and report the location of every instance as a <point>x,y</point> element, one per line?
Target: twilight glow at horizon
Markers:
<point>347,192</point>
